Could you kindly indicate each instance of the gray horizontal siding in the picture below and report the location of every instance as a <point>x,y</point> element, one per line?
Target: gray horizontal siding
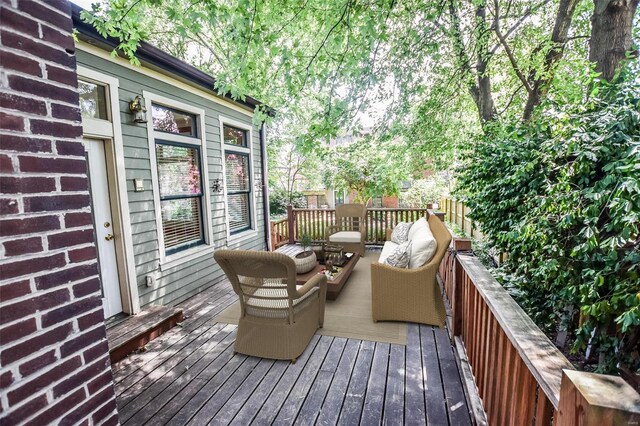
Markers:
<point>178,283</point>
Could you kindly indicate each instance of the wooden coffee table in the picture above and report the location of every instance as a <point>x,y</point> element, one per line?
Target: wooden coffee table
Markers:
<point>334,286</point>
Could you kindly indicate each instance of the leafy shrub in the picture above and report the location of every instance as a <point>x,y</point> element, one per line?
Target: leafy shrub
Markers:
<point>562,197</point>
<point>279,200</point>
<point>424,191</point>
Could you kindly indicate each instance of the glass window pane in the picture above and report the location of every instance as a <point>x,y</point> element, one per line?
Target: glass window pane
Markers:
<point>173,121</point>
<point>178,170</point>
<point>181,223</point>
<point>234,136</point>
<point>239,213</point>
<point>237,172</point>
<point>93,100</point>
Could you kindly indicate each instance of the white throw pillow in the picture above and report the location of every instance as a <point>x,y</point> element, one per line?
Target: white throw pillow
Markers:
<point>423,244</point>
<point>388,248</point>
<point>400,257</point>
<point>400,233</point>
<point>418,226</point>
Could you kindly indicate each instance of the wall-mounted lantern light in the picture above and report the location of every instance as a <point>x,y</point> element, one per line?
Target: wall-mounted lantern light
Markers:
<point>138,110</point>
<point>216,185</point>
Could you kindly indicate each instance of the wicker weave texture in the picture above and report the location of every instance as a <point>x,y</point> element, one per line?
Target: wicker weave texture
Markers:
<point>411,295</point>
<point>277,318</point>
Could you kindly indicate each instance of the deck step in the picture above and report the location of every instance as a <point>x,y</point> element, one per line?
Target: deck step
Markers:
<point>135,331</point>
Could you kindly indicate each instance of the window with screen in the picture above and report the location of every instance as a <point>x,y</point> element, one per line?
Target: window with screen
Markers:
<point>180,178</point>
<point>237,162</point>
<point>180,185</point>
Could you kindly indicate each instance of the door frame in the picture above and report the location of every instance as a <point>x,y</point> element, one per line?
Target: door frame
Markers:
<point>111,134</point>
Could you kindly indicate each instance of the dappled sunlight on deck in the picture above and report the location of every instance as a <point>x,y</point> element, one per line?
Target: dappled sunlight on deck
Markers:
<point>190,375</point>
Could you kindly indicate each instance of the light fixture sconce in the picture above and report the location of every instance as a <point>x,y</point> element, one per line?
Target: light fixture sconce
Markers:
<point>138,110</point>
<point>216,185</point>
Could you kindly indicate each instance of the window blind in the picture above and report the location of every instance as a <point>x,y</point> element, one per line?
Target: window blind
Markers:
<point>180,184</point>
<point>238,180</point>
<point>178,170</point>
<point>181,222</point>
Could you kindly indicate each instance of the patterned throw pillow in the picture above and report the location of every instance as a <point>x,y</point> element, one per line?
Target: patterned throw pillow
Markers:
<point>400,256</point>
<point>401,232</point>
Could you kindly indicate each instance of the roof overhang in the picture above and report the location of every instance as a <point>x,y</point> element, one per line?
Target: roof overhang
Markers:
<point>149,55</point>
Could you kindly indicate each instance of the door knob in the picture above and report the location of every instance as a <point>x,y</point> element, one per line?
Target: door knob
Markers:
<point>108,237</point>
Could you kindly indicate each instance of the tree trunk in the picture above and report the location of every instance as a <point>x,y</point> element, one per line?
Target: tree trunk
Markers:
<point>540,82</point>
<point>611,25</point>
<point>485,100</point>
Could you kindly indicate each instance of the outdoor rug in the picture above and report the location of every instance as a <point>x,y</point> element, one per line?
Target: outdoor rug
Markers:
<point>350,315</point>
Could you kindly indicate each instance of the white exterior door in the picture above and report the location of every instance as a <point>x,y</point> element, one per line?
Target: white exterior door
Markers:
<point>103,226</point>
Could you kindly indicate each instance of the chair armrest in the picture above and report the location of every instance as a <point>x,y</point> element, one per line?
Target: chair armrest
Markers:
<point>319,280</point>
<point>388,235</point>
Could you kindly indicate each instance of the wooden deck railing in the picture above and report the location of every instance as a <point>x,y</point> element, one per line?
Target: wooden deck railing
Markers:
<point>279,233</point>
<point>315,221</point>
<point>517,370</point>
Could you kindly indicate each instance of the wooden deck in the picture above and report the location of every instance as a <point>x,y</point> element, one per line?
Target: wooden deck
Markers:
<point>191,376</point>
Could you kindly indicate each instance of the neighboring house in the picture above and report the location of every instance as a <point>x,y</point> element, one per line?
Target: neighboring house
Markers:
<point>170,191</point>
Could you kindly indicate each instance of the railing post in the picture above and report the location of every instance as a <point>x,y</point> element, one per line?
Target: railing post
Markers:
<point>272,230</point>
<point>591,399</point>
<point>459,244</point>
<point>291,224</point>
<point>438,214</point>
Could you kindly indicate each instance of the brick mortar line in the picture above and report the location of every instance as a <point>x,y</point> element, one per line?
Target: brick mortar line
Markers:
<point>58,213</point>
<point>35,255</point>
<point>30,116</point>
<point>22,195</point>
<point>44,78</point>
<point>43,293</point>
<point>51,401</point>
<point>56,347</point>
<point>38,20</point>
<point>47,272</point>
<point>42,41</point>
<point>38,59</point>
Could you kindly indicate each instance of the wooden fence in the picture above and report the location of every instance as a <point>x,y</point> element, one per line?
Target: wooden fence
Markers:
<point>456,212</point>
<point>315,221</point>
<point>517,370</point>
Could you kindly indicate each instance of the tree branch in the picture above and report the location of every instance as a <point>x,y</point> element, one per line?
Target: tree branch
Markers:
<point>507,49</point>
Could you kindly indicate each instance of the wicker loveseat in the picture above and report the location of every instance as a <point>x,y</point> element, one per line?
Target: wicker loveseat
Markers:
<point>411,295</point>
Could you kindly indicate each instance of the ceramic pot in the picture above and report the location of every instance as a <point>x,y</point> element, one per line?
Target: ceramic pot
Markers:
<point>305,261</point>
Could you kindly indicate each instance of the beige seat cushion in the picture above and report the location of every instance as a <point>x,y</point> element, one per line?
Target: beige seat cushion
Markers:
<point>345,237</point>
<point>423,244</point>
<point>278,306</point>
<point>388,248</point>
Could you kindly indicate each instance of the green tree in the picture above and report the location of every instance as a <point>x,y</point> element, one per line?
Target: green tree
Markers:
<point>364,167</point>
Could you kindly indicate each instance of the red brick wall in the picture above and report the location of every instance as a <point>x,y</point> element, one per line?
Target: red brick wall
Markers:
<point>390,202</point>
<point>54,364</point>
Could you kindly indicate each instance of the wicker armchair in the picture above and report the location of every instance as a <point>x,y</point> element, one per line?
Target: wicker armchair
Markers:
<point>277,318</point>
<point>411,295</point>
<point>350,228</point>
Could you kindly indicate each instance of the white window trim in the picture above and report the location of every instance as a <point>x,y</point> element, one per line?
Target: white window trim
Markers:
<point>113,131</point>
<point>253,231</point>
<point>173,260</point>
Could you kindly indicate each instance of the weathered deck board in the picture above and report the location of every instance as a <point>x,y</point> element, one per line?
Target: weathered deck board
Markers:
<point>414,406</point>
<point>191,376</point>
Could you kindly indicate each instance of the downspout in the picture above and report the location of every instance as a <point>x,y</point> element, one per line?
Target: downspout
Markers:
<point>265,184</point>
